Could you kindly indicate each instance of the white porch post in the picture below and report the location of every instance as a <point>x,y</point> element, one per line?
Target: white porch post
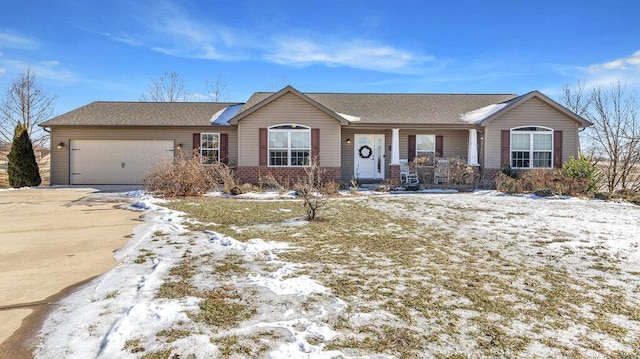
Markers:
<point>395,146</point>
<point>472,158</point>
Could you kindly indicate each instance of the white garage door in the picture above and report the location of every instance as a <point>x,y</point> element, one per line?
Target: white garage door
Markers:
<point>115,161</point>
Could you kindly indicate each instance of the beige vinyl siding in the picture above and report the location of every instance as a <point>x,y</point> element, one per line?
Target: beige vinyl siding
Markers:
<point>531,113</point>
<point>455,143</point>
<point>183,135</point>
<point>289,109</point>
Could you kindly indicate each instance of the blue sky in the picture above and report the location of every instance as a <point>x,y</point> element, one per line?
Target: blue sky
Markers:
<point>86,50</point>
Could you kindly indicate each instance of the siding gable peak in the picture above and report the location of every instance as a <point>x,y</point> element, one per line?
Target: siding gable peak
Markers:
<point>514,103</point>
<point>287,90</point>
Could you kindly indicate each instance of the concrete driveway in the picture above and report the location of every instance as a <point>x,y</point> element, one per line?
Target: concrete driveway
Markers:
<point>51,240</point>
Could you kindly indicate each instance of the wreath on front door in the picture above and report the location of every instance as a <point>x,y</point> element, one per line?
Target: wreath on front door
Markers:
<point>365,152</point>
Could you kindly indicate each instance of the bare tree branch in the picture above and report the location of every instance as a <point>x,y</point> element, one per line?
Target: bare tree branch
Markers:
<point>216,88</point>
<point>615,132</point>
<point>169,87</point>
<point>27,103</point>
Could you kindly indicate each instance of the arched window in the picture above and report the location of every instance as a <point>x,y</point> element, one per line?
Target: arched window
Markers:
<point>531,147</point>
<point>289,145</point>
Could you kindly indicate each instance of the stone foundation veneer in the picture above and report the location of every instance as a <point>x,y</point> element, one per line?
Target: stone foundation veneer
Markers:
<point>286,176</point>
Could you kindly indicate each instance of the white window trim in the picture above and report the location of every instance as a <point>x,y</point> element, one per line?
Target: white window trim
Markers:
<point>422,152</point>
<point>295,128</point>
<point>531,150</point>
<point>202,148</point>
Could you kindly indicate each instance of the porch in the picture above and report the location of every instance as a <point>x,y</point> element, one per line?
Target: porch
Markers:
<point>371,155</point>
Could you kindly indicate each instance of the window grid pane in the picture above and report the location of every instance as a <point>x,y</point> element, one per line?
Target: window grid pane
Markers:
<point>542,159</point>
<point>520,142</point>
<point>542,142</point>
<point>426,143</point>
<point>278,158</point>
<point>300,140</point>
<point>300,158</point>
<point>209,157</point>
<point>520,159</point>
<point>278,139</point>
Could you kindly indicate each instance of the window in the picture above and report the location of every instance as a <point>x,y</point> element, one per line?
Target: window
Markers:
<point>289,145</point>
<point>425,145</point>
<point>209,148</point>
<point>531,147</point>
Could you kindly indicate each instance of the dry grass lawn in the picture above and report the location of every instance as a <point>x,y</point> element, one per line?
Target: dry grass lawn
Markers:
<point>455,276</point>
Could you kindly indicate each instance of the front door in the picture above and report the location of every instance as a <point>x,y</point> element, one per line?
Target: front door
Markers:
<point>368,156</point>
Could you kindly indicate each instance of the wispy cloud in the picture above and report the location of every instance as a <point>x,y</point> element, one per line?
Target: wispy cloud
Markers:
<point>625,69</point>
<point>124,39</point>
<point>168,29</point>
<point>48,70</point>
<point>14,41</point>
<point>626,63</point>
<point>360,54</point>
<point>23,47</point>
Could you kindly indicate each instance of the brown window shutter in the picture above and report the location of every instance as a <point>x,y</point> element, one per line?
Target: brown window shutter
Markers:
<point>439,146</point>
<point>412,148</point>
<point>315,145</point>
<point>196,141</point>
<point>262,146</point>
<point>557,149</point>
<point>224,148</point>
<point>505,146</point>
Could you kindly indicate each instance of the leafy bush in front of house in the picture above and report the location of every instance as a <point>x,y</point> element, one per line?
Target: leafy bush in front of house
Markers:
<point>22,167</point>
<point>583,168</point>
<point>186,177</point>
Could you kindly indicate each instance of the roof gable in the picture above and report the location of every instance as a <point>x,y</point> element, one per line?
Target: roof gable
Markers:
<point>514,103</point>
<point>264,99</point>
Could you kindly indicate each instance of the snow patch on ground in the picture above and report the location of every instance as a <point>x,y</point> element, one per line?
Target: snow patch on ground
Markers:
<point>99,319</point>
<point>567,233</point>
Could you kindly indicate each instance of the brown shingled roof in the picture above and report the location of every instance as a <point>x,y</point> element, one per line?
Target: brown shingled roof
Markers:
<point>373,108</point>
<point>140,114</point>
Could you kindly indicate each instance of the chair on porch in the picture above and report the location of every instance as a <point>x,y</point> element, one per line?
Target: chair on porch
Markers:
<point>408,175</point>
<point>441,172</point>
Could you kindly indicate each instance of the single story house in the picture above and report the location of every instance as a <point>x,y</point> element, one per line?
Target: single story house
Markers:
<point>351,134</point>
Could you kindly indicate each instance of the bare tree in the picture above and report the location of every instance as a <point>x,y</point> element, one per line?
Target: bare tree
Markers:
<point>169,87</point>
<point>310,189</point>
<point>578,100</point>
<point>575,98</point>
<point>26,103</point>
<point>613,110</point>
<point>216,88</point>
